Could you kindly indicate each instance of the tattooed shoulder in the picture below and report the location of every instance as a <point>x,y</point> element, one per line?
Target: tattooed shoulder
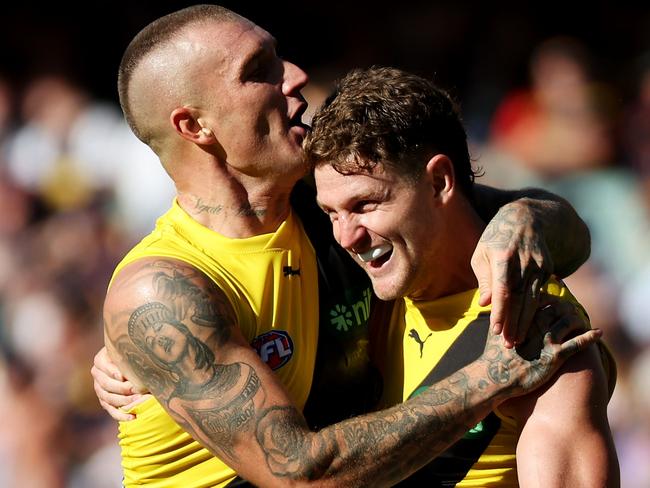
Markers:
<point>164,314</point>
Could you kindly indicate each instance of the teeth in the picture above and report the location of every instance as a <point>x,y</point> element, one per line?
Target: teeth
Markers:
<point>374,253</point>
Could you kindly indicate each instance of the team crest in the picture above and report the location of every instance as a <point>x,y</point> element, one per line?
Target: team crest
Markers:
<point>275,347</point>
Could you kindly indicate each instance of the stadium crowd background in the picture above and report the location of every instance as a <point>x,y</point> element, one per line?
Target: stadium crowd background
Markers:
<point>553,95</point>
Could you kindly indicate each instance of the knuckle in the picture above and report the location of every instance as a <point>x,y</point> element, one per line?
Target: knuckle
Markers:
<point>502,289</point>
<point>483,281</point>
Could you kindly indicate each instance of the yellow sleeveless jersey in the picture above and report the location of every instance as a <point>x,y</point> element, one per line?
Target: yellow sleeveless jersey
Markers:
<point>425,343</point>
<point>272,283</point>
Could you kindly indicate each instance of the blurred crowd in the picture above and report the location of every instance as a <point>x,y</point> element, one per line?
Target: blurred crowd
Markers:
<point>575,135</point>
<point>77,190</point>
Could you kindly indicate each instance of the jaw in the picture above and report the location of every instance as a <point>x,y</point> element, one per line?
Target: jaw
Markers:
<point>386,275</point>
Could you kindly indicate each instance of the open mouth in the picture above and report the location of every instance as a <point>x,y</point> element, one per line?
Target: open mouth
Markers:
<point>376,256</point>
<point>296,119</point>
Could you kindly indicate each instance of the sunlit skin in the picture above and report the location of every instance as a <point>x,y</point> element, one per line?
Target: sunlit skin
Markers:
<point>427,229</point>
<point>235,122</point>
<point>230,111</point>
<point>397,218</point>
<point>252,106</point>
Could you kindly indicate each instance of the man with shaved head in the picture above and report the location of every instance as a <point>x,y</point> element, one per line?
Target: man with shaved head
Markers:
<point>217,311</point>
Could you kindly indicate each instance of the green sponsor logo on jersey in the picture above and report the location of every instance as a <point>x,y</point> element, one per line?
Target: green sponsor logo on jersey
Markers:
<point>475,432</point>
<point>343,317</point>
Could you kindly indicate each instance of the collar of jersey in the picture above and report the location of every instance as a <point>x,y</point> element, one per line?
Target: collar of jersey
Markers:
<point>450,305</point>
<point>205,238</point>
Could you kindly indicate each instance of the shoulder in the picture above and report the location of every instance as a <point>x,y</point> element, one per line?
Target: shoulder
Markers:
<point>169,286</point>
<point>155,308</point>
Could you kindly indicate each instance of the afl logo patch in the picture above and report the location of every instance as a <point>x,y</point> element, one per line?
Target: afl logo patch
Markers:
<point>275,347</point>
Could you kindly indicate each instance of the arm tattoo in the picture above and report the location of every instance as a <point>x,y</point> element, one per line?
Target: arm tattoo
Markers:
<point>172,342</point>
<point>185,296</point>
<point>389,443</point>
<point>218,426</point>
<point>501,230</point>
<point>170,345</point>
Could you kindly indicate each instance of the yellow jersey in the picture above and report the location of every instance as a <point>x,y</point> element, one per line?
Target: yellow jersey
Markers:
<point>271,281</point>
<point>427,342</point>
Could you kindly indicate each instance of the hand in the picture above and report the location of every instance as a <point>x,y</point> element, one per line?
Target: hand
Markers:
<point>115,393</point>
<point>562,317</point>
<point>511,263</point>
<point>529,366</point>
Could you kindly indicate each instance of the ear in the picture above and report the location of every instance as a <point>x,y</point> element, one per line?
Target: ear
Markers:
<point>439,172</point>
<point>190,127</point>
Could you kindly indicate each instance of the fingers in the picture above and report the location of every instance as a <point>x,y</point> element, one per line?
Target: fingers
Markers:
<point>529,304</point>
<point>103,363</point>
<point>481,267</point>
<point>579,343</point>
<point>507,297</point>
<point>116,413</point>
<point>110,384</point>
<point>117,404</point>
<point>498,320</point>
<point>561,318</point>
<point>113,394</point>
<point>137,401</point>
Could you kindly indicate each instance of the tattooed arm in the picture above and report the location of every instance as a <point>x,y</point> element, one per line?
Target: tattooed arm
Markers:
<point>532,234</point>
<point>172,332</point>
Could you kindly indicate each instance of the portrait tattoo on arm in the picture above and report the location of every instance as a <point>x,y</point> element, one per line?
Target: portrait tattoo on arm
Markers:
<point>172,343</point>
<point>180,344</point>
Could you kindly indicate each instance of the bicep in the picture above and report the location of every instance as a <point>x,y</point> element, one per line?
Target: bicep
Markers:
<point>565,438</point>
<point>173,330</point>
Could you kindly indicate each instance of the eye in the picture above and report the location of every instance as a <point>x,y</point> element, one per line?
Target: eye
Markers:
<point>258,71</point>
<point>331,214</point>
<point>265,67</point>
<point>363,206</point>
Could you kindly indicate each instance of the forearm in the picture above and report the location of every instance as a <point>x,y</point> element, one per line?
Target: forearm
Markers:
<point>381,448</point>
<point>183,344</point>
<point>566,235</point>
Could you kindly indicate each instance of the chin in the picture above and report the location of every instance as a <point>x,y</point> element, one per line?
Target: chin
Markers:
<point>387,293</point>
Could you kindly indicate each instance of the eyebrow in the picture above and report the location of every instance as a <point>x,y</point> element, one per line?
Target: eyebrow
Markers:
<point>259,52</point>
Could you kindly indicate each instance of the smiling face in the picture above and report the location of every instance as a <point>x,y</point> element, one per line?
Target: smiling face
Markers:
<point>388,225</point>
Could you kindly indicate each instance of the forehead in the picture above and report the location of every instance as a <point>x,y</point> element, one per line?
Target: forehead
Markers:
<point>234,42</point>
<point>336,189</point>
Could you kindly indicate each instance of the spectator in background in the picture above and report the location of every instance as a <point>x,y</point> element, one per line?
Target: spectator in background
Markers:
<point>71,149</point>
<point>558,134</point>
<point>635,130</point>
<point>556,126</point>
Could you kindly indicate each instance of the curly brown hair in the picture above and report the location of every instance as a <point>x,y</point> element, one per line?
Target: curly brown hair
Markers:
<point>388,116</point>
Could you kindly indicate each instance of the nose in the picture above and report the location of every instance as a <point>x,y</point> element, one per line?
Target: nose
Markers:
<point>294,79</point>
<point>350,234</point>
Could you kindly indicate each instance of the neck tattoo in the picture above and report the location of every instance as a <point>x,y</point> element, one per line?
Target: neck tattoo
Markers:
<point>201,207</point>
